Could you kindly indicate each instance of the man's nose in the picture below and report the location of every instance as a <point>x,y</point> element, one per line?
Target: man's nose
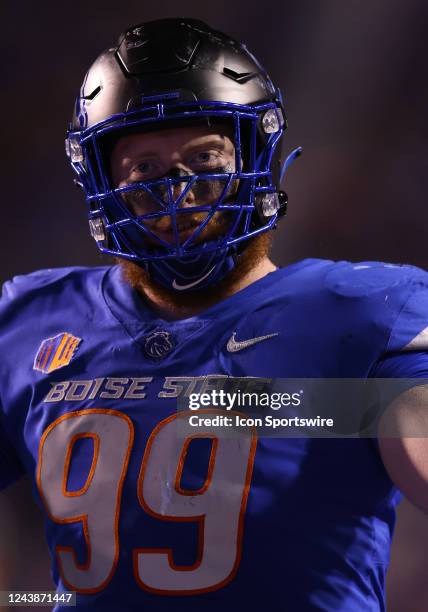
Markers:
<point>180,186</point>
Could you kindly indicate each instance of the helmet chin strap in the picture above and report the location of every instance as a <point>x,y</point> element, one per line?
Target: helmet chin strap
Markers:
<point>193,272</point>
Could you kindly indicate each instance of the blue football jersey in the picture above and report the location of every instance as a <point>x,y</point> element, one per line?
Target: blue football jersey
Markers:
<point>136,515</point>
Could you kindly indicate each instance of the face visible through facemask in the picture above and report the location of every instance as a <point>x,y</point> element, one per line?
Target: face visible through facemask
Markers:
<point>180,154</point>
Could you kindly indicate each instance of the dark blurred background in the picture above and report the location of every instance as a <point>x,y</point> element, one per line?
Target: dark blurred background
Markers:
<point>355,82</point>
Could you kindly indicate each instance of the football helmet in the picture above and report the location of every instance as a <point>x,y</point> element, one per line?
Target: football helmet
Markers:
<point>174,73</point>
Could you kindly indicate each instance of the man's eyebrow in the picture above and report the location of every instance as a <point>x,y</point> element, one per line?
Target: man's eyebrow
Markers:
<point>212,141</point>
<point>131,158</point>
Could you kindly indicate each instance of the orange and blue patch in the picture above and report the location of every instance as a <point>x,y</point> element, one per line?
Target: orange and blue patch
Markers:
<point>56,352</point>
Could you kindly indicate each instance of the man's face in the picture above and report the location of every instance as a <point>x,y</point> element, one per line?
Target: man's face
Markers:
<point>176,152</point>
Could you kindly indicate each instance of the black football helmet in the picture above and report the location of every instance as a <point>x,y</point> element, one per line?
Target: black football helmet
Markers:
<point>169,73</point>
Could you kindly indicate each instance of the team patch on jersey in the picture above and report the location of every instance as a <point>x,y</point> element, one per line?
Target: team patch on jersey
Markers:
<point>159,344</point>
<point>56,352</point>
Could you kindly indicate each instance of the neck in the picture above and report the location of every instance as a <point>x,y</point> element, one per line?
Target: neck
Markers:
<point>170,310</point>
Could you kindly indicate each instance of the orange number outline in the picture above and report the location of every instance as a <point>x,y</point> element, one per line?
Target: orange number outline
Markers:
<point>84,517</point>
<point>199,519</point>
<point>180,466</point>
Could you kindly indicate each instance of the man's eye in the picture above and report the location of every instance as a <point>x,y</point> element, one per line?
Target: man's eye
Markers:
<point>205,157</point>
<point>143,171</point>
<point>144,168</point>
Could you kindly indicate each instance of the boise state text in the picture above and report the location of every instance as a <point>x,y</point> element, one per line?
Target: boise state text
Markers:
<point>135,387</point>
<point>137,516</point>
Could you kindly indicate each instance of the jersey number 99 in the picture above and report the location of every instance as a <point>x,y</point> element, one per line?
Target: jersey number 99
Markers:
<point>218,506</point>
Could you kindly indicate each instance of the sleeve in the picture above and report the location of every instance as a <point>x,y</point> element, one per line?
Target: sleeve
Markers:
<point>402,371</point>
<point>404,363</point>
<point>11,468</point>
<point>406,353</point>
<point>412,364</point>
<point>409,333</point>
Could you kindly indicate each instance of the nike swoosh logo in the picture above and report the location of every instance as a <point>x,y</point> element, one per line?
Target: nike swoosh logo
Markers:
<point>233,346</point>
<point>189,285</point>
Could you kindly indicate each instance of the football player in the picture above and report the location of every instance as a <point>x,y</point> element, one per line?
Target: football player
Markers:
<point>176,140</point>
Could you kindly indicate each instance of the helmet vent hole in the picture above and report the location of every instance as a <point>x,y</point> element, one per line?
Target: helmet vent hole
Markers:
<point>93,94</point>
<point>239,77</point>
